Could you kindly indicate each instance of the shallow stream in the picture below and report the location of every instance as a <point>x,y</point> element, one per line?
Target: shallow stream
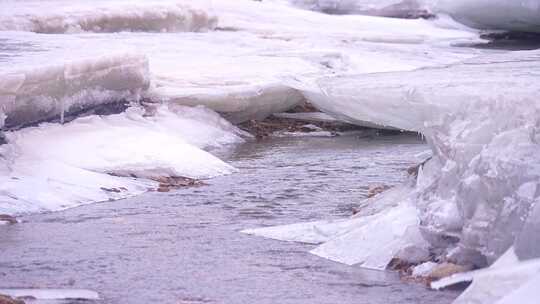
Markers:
<point>185,246</point>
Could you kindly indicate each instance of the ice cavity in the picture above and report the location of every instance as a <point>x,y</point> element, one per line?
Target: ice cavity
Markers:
<point>90,159</point>
<point>477,195</point>
<point>493,14</point>
<point>67,17</point>
<point>44,91</point>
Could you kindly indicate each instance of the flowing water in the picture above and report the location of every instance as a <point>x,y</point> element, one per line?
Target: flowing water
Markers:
<point>185,246</point>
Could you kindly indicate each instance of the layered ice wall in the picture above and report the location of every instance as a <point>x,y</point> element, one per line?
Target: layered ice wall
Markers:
<point>478,192</point>
<point>41,92</point>
<point>69,17</point>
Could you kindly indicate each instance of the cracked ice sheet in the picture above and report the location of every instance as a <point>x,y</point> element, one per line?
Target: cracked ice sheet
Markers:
<point>53,167</point>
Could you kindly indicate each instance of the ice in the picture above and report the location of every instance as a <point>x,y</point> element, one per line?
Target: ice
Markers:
<point>94,158</point>
<point>493,14</point>
<point>310,233</point>
<point>375,243</point>
<point>526,294</point>
<point>52,294</point>
<point>505,281</point>
<point>308,116</point>
<point>424,269</point>
<point>45,91</point>
<point>371,239</point>
<point>476,194</point>
<point>390,8</point>
<point>102,16</point>
<point>242,70</point>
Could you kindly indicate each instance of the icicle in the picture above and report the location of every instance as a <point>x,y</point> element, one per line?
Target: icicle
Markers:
<point>62,110</point>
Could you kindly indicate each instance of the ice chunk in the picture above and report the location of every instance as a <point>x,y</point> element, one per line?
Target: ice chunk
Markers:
<point>423,269</point>
<point>311,233</point>
<point>371,239</point>
<point>52,294</point>
<point>102,16</point>
<point>501,280</point>
<point>308,116</point>
<point>493,14</point>
<point>389,8</point>
<point>236,103</point>
<point>52,167</point>
<point>375,243</point>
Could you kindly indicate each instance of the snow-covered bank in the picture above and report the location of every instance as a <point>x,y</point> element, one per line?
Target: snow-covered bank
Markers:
<point>92,159</point>
<point>99,16</point>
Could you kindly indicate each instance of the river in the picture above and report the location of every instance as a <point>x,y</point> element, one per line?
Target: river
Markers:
<point>185,246</point>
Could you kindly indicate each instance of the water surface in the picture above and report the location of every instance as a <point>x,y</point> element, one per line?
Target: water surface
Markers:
<point>185,246</point>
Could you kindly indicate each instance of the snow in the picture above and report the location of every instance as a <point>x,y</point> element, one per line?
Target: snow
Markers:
<point>94,158</point>
<point>52,294</point>
<point>101,16</point>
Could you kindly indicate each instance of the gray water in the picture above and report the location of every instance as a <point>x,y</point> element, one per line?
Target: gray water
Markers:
<point>185,246</point>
